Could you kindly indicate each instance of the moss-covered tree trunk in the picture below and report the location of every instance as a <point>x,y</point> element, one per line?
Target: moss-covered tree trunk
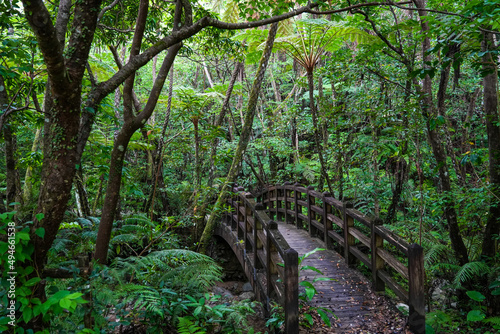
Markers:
<point>242,144</point>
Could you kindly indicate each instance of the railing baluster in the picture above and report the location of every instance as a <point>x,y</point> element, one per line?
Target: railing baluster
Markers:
<point>377,262</point>
<point>310,212</point>
<point>296,205</point>
<point>287,205</point>
<point>256,241</point>
<point>279,204</point>
<point>271,267</point>
<point>349,240</point>
<point>327,224</point>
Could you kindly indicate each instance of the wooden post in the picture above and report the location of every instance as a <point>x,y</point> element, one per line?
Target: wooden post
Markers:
<point>270,204</point>
<point>271,267</point>
<point>279,204</point>
<point>239,217</point>
<point>377,262</point>
<point>256,241</point>
<point>310,212</point>
<point>298,208</point>
<point>287,193</point>
<point>291,281</point>
<point>232,211</point>
<point>416,281</point>
<point>327,224</point>
<point>349,240</point>
<point>248,225</point>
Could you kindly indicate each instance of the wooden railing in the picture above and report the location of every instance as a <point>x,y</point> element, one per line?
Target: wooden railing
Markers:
<point>357,238</point>
<point>269,262</point>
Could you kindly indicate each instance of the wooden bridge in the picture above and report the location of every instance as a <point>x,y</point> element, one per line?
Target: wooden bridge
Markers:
<point>270,231</point>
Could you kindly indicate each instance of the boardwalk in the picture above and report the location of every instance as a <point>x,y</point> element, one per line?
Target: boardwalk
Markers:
<point>268,250</point>
<point>346,294</point>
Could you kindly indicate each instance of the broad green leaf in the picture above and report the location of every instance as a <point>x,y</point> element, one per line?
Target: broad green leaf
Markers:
<point>324,317</point>
<point>475,315</point>
<point>40,232</point>
<point>32,281</point>
<point>65,303</point>
<point>310,292</point>
<point>311,268</point>
<point>476,295</point>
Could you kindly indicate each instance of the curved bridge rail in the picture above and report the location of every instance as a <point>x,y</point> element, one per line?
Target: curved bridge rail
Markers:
<point>358,238</point>
<point>268,261</point>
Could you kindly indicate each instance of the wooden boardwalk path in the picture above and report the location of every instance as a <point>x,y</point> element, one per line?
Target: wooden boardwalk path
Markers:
<point>268,250</point>
<point>346,294</point>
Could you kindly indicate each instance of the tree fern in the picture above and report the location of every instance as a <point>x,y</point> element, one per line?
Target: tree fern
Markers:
<point>315,36</point>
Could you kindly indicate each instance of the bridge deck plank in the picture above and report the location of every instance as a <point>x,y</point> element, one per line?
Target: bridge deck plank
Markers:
<point>346,293</point>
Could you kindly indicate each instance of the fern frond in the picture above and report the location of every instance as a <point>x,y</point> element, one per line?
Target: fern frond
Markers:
<point>231,12</point>
<point>138,220</point>
<point>469,271</point>
<point>437,253</point>
<point>182,268</point>
<point>186,326</point>
<point>492,320</point>
<point>445,267</point>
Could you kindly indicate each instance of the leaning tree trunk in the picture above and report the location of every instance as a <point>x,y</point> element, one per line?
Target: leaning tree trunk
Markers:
<point>243,142</point>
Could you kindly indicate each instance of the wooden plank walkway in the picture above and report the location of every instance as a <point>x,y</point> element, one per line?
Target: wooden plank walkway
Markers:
<point>346,295</point>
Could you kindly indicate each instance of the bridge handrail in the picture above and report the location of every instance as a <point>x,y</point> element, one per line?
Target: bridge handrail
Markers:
<point>294,203</point>
<point>268,260</point>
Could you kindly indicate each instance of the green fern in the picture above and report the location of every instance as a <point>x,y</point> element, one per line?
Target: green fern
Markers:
<point>182,268</point>
<point>437,253</point>
<point>469,271</point>
<point>493,321</point>
<point>186,326</point>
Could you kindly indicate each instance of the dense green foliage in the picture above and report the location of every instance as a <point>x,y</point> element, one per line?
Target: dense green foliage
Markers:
<point>401,129</point>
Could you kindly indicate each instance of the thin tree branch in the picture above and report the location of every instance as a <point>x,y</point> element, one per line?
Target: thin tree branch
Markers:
<point>389,80</point>
<point>124,31</point>
<point>105,9</point>
<point>361,5</point>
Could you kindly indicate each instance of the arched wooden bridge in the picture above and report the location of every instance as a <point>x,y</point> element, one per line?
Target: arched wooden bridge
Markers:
<point>270,231</point>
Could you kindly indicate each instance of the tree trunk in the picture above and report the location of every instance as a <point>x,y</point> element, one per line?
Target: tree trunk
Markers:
<point>158,158</point>
<point>434,137</point>
<point>12,174</point>
<point>317,141</point>
<point>243,142</point>
<point>490,91</point>
<point>117,157</point>
<point>220,120</point>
